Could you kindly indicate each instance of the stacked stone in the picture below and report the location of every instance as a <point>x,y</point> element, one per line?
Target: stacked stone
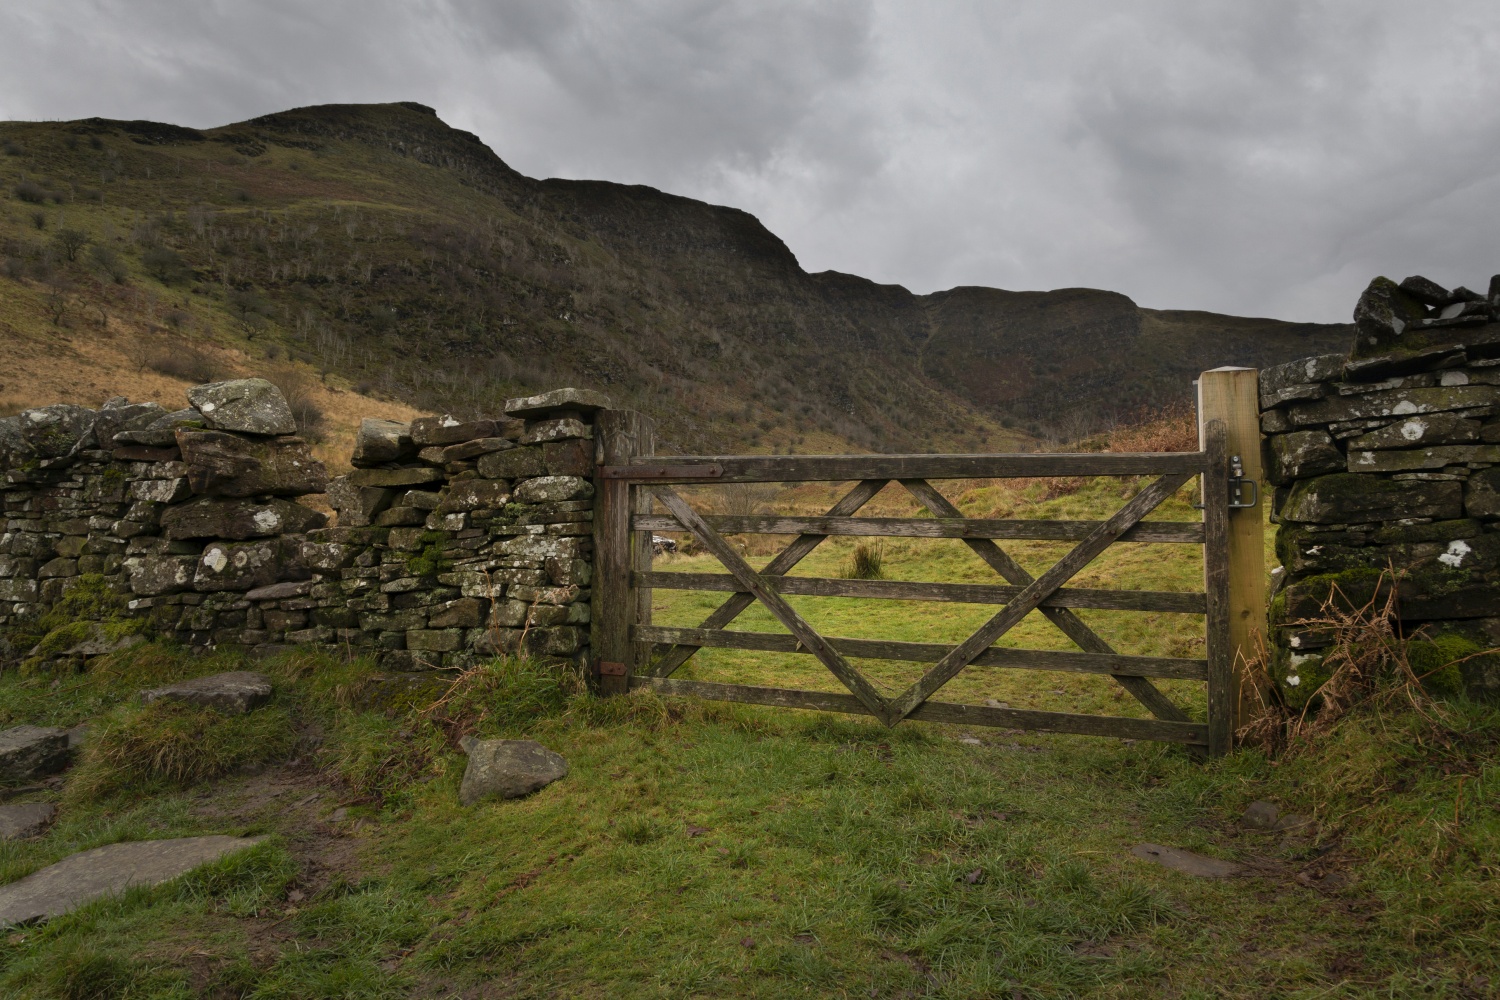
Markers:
<point>467,538</point>
<point>1389,457</point>
<point>186,511</point>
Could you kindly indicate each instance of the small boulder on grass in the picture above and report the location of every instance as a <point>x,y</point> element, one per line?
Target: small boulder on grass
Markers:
<point>234,692</point>
<point>508,769</point>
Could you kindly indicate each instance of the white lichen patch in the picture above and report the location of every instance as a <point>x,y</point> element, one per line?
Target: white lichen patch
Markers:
<point>1413,430</point>
<point>1454,557</point>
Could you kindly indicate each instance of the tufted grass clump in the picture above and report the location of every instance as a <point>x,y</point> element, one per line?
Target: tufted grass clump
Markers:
<point>867,563</point>
<point>172,744</point>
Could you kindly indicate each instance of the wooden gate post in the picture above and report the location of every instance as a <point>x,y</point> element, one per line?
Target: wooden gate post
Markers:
<point>616,603</point>
<point>1232,395</point>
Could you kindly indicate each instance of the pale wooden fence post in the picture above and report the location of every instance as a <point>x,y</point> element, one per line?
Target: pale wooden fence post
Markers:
<point>617,604</point>
<point>1232,395</point>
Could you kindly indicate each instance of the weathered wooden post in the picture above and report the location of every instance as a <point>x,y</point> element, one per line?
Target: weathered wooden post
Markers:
<point>1232,396</point>
<point>617,604</point>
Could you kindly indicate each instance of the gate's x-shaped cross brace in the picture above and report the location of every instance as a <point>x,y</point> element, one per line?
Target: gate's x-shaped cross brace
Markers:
<point>893,710</point>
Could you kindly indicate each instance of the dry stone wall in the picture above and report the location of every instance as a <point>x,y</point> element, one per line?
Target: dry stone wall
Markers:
<point>453,539</point>
<point>1388,458</point>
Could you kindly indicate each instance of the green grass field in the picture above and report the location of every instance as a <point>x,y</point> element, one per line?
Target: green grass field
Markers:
<point>704,850</point>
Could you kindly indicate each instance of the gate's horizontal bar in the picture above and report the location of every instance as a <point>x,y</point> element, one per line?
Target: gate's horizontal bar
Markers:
<point>931,652</point>
<point>924,527</point>
<point>1191,733</point>
<point>842,468</point>
<point>962,593</point>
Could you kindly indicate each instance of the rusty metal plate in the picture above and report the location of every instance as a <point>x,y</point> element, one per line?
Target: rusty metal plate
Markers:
<point>611,668</point>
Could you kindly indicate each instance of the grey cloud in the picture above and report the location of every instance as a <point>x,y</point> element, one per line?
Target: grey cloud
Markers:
<point>1263,158</point>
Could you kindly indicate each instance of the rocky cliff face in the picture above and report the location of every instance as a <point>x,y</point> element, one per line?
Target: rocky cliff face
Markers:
<point>377,243</point>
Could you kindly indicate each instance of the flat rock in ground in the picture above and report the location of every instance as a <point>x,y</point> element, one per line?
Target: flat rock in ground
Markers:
<point>20,820</point>
<point>247,405</point>
<point>1187,862</point>
<point>108,870</point>
<point>235,692</point>
<point>508,769</point>
<point>28,752</point>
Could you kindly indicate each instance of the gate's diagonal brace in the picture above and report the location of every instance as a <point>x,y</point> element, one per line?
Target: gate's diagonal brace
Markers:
<point>788,557</point>
<point>1037,591</point>
<point>1071,625</point>
<point>776,604</point>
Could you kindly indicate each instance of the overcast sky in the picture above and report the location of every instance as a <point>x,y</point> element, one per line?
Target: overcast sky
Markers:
<point>1260,157</point>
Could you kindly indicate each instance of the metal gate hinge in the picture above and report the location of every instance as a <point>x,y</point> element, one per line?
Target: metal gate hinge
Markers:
<point>1239,487</point>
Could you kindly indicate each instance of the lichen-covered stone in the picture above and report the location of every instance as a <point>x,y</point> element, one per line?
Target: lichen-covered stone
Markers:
<point>394,478</point>
<point>547,489</point>
<point>448,429</point>
<point>577,400</point>
<point>150,576</point>
<point>1482,494</point>
<point>1320,368</point>
<point>1347,498</point>
<point>508,769</point>
<point>1414,432</point>
<point>161,432</point>
<point>357,506</point>
<point>379,441</point>
<point>111,420</point>
<point>1301,455</point>
<point>1416,459</point>
<point>560,429</point>
<point>1393,403</point>
<point>475,494</point>
<point>234,692</point>
<point>517,463</point>
<point>244,405</point>
<point>244,565</point>
<point>28,752</point>
<point>238,520</point>
<point>224,464</point>
<point>1382,318</point>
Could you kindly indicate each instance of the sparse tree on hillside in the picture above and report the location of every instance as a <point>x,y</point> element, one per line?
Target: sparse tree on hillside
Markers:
<point>70,241</point>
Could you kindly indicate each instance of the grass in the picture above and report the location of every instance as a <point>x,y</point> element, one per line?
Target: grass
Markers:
<point>700,849</point>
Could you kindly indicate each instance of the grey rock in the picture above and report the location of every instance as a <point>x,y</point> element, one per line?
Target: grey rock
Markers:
<point>1187,862</point>
<point>1383,315</point>
<point>161,432</point>
<point>246,405</point>
<point>20,820</point>
<point>1482,494</point>
<point>106,871</point>
<point>560,429</point>
<point>389,478</point>
<point>235,692</point>
<point>151,576</point>
<point>421,499</point>
<point>379,441</point>
<point>238,519</point>
<point>358,506</point>
<point>1320,368</point>
<point>111,420</point>
<point>280,591</point>
<point>578,400</point>
<point>14,451</point>
<point>1433,428</point>
<point>546,489</point>
<point>1412,460</point>
<point>1346,498</point>
<point>1260,816</point>
<point>1302,454</point>
<point>161,491</point>
<point>518,463</point>
<point>508,769</point>
<point>246,565</point>
<point>57,431</point>
<point>28,752</point>
<point>1426,291</point>
<point>220,463</point>
<point>466,450</point>
<point>1393,403</point>
<point>1403,362</point>
<point>448,429</point>
<point>475,494</point>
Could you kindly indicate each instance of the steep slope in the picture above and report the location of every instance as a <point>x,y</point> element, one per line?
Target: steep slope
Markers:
<point>403,258</point>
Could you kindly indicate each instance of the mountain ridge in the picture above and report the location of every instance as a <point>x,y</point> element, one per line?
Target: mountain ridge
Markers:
<point>383,247</point>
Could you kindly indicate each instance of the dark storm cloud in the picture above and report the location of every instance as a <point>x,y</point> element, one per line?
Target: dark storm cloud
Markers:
<point>1263,158</point>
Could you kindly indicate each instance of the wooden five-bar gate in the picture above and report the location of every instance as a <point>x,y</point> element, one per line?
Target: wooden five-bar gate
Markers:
<point>632,653</point>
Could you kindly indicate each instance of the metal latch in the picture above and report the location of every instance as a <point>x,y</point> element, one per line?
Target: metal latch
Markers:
<point>1239,486</point>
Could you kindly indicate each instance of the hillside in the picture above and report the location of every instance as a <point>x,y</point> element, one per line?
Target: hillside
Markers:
<point>402,261</point>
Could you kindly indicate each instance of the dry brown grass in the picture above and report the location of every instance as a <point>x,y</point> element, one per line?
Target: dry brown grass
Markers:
<point>1170,428</point>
